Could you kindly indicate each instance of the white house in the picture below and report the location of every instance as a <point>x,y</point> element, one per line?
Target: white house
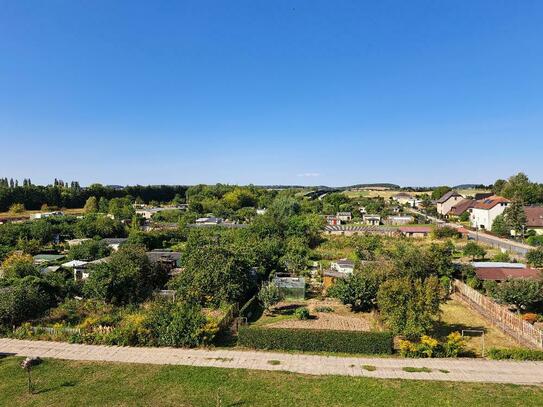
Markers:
<point>484,212</point>
<point>447,201</point>
<point>404,198</point>
<point>343,266</point>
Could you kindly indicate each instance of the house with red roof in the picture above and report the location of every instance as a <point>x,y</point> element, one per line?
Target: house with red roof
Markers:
<point>484,212</point>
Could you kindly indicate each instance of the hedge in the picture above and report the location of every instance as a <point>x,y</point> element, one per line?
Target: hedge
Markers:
<point>312,340</point>
<point>515,354</point>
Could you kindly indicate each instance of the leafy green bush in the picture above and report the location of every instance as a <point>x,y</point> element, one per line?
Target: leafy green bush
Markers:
<point>301,313</point>
<point>312,340</point>
<point>515,354</point>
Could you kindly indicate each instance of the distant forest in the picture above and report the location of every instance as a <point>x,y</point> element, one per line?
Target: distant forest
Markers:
<point>72,195</point>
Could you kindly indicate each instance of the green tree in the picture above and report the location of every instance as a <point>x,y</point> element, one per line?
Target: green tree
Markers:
<point>473,250</point>
<point>410,307</point>
<point>17,208</point>
<point>19,265</point>
<point>359,290</point>
<point>501,227</point>
<point>269,295</point>
<point>216,268</point>
<point>521,293</point>
<point>440,191</point>
<point>91,206</point>
<point>127,278</point>
<point>516,217</point>
<point>535,257</point>
<point>89,250</point>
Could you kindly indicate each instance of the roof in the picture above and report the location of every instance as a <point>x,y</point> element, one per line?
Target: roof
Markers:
<point>209,220</point>
<point>448,196</point>
<point>114,240</point>
<point>343,214</point>
<point>490,202</point>
<point>74,263</point>
<point>534,216</point>
<point>490,264</point>
<point>164,255</point>
<point>415,229</point>
<point>462,206</point>
<point>48,257</point>
<point>336,274</point>
<point>344,263</point>
<point>505,273</point>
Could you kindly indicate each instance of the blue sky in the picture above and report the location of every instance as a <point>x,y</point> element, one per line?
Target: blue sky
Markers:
<point>271,92</point>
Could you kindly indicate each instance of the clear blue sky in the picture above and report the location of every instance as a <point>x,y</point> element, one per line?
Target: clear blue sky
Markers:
<point>271,92</point>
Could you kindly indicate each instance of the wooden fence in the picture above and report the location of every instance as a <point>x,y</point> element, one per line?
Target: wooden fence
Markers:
<point>500,316</point>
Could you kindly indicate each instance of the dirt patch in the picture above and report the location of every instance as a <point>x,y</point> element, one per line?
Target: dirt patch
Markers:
<point>341,319</point>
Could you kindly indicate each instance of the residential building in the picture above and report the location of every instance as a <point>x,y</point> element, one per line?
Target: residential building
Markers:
<point>447,201</point>
<point>483,213</point>
<point>459,208</point>
<point>403,198</point>
<point>534,219</point>
<point>372,220</point>
<point>44,259</point>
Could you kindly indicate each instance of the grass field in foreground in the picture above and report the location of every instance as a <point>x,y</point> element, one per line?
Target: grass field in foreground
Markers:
<point>67,383</point>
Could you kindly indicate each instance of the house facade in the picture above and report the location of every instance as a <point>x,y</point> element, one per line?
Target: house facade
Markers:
<point>534,219</point>
<point>447,201</point>
<point>484,212</point>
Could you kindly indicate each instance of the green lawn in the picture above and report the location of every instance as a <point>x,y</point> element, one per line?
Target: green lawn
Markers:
<point>64,383</point>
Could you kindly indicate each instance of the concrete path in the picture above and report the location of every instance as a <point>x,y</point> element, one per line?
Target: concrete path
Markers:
<point>465,370</point>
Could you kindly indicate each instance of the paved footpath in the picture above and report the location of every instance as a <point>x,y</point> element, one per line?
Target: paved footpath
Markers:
<point>465,370</point>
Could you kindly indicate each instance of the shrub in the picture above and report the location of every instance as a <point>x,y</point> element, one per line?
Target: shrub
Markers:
<point>311,340</point>
<point>530,317</point>
<point>535,257</point>
<point>269,295</point>
<point>515,354</point>
<point>454,345</point>
<point>301,313</point>
<point>442,232</point>
<point>429,347</point>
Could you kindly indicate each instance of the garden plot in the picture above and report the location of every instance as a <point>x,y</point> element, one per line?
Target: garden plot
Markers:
<point>326,315</point>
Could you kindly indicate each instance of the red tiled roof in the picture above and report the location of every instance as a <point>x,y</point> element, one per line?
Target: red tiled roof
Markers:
<point>462,207</point>
<point>534,216</point>
<point>504,273</point>
<point>491,202</point>
<point>415,229</point>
